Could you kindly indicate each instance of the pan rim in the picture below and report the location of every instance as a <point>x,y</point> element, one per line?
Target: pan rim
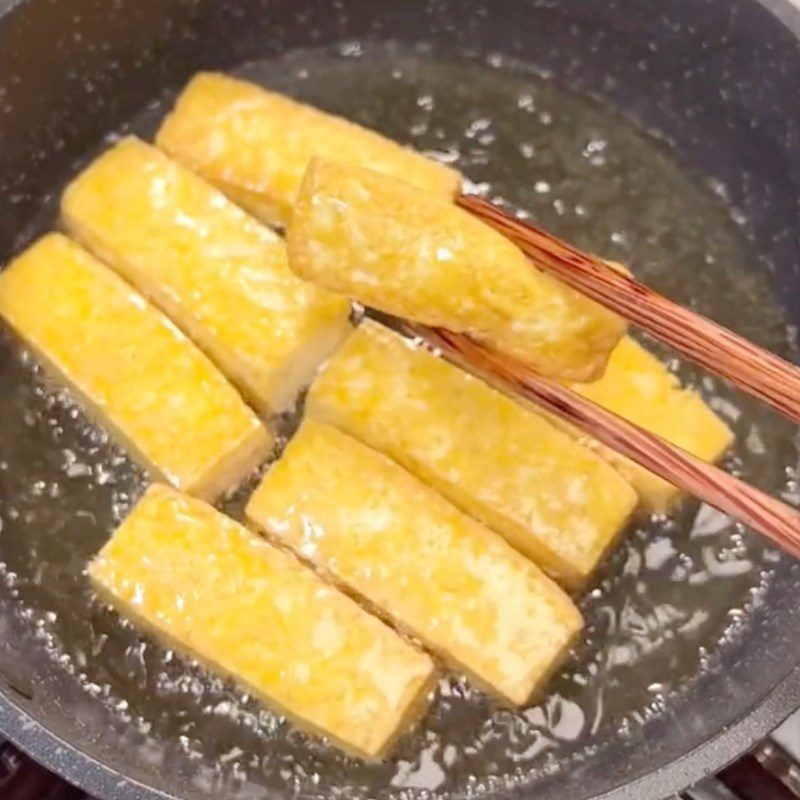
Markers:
<point>96,777</point>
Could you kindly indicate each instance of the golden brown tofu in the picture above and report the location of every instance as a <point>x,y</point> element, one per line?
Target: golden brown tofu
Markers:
<point>473,599</point>
<point>638,387</point>
<point>135,372</point>
<point>242,607</point>
<point>418,256</point>
<point>220,275</point>
<point>255,145</point>
<point>555,501</point>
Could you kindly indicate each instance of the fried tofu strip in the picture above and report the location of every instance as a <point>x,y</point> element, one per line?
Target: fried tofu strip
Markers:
<point>136,373</point>
<point>220,275</point>
<point>639,388</point>
<point>415,255</point>
<point>212,588</point>
<point>482,606</point>
<point>255,145</point>
<point>555,501</point>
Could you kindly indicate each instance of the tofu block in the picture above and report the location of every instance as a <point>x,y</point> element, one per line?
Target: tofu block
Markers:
<point>221,593</point>
<point>638,387</point>
<point>415,255</point>
<point>440,575</point>
<point>134,371</point>
<point>255,145</point>
<point>555,501</point>
<point>221,276</point>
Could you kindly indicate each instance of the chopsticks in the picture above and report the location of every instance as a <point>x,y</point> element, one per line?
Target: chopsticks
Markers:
<point>753,369</point>
<point>766,515</point>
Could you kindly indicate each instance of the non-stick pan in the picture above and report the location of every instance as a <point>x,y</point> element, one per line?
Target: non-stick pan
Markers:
<point>689,112</point>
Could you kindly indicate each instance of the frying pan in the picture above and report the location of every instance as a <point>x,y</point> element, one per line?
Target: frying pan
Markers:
<point>717,80</point>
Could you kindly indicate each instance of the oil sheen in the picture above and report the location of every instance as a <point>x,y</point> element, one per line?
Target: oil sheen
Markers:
<point>671,599</point>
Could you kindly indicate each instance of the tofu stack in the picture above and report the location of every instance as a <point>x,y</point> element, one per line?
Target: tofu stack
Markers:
<point>220,275</point>
<point>639,388</point>
<point>416,255</point>
<point>485,609</point>
<point>551,498</point>
<point>255,145</point>
<point>136,374</point>
<point>422,508</point>
<point>214,589</point>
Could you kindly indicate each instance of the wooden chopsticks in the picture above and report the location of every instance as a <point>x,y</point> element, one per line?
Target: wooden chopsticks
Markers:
<point>766,515</point>
<point>755,370</point>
